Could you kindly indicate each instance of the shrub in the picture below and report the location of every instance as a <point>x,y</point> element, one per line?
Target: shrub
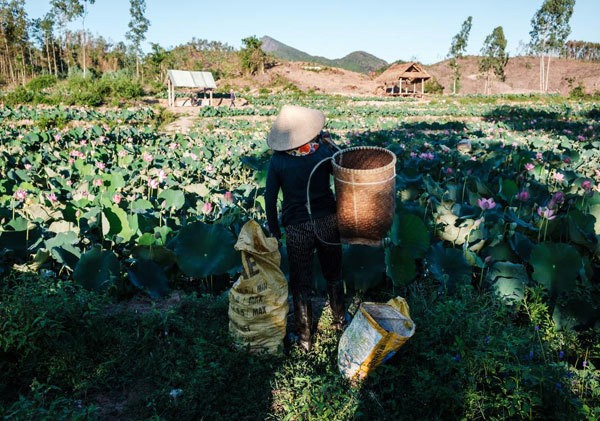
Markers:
<point>432,86</point>
<point>19,95</point>
<point>121,86</point>
<point>41,82</point>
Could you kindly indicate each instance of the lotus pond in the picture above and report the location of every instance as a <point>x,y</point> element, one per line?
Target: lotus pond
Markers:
<point>498,211</point>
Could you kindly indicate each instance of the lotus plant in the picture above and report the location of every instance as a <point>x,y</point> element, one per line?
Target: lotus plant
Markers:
<point>486,204</point>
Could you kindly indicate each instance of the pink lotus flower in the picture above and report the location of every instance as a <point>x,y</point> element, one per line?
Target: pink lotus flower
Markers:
<point>98,182</point>
<point>523,196</point>
<point>193,156</point>
<point>122,153</point>
<point>484,203</point>
<point>581,138</point>
<point>558,198</point>
<point>69,183</point>
<point>413,154</point>
<point>153,183</point>
<point>586,185</point>
<point>546,213</point>
<point>147,157</point>
<point>559,177</point>
<point>52,197</point>
<point>427,156</point>
<point>228,197</point>
<point>20,195</point>
<point>172,145</point>
<point>117,197</point>
<point>539,156</point>
<point>529,166</point>
<point>57,137</point>
<point>100,165</point>
<point>210,168</point>
<point>162,175</point>
<point>567,159</point>
<point>207,208</point>
<point>28,167</point>
<point>448,170</point>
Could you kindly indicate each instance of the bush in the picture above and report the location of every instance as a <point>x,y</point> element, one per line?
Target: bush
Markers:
<point>432,86</point>
<point>121,86</point>
<point>19,95</point>
<point>40,83</point>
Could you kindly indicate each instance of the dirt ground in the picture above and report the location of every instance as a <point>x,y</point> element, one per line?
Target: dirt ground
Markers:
<point>522,76</point>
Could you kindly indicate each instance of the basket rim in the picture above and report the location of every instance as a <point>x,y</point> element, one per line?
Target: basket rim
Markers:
<point>386,167</point>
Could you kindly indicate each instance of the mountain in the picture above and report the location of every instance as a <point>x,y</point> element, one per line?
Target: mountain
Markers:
<point>357,61</point>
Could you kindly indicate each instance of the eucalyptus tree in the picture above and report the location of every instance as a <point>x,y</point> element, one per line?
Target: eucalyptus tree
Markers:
<point>457,50</point>
<point>14,36</point>
<point>550,29</point>
<point>67,11</point>
<point>493,56</point>
<point>138,26</point>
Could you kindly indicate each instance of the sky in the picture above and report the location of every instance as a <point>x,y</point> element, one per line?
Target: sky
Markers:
<point>390,30</point>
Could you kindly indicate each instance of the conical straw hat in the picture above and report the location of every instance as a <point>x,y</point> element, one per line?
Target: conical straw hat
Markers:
<point>294,127</point>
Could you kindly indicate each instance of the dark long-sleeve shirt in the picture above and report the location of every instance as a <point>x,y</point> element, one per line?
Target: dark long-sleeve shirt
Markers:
<point>290,174</point>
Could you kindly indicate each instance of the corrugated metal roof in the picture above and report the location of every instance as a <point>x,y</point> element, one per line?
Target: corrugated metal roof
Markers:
<point>188,79</point>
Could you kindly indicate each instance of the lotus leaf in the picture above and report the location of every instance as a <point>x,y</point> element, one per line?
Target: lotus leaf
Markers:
<point>448,266</point>
<point>410,232</point>
<point>508,280</point>
<point>150,277</point>
<point>158,254</point>
<point>173,199</point>
<point>581,228</point>
<point>555,266</point>
<point>97,270</point>
<point>401,265</point>
<point>205,249</point>
<point>575,312</point>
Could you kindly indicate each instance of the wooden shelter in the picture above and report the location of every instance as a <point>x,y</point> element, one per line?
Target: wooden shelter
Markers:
<point>404,80</point>
<point>195,82</point>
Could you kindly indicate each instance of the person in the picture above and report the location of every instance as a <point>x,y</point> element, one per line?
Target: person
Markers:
<point>300,146</point>
<point>232,96</point>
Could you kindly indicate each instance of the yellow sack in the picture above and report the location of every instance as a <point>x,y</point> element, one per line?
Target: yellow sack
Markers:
<point>377,331</point>
<point>258,300</point>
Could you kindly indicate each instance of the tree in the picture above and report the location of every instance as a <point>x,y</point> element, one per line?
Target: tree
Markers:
<point>67,11</point>
<point>550,29</point>
<point>14,27</point>
<point>252,57</point>
<point>457,49</point>
<point>494,57</point>
<point>138,26</point>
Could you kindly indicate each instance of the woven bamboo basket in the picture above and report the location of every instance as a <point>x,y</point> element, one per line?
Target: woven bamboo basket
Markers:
<point>365,188</point>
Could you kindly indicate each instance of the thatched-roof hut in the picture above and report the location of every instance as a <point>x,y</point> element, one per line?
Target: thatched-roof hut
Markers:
<point>403,79</point>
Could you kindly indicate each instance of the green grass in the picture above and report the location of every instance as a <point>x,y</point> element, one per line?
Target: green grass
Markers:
<point>66,353</point>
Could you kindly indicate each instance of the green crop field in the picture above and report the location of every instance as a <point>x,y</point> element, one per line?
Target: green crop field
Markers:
<point>116,253</point>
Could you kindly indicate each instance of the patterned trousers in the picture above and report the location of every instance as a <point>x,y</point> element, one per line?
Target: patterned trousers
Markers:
<point>302,240</point>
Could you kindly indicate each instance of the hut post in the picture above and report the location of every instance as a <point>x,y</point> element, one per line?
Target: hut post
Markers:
<point>210,100</point>
<point>422,87</point>
<point>169,91</point>
<point>400,91</point>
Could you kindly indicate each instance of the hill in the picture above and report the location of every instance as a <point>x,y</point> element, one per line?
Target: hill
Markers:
<point>357,61</point>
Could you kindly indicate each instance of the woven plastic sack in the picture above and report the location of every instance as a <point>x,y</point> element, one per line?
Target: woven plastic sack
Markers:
<point>258,300</point>
<point>377,331</point>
